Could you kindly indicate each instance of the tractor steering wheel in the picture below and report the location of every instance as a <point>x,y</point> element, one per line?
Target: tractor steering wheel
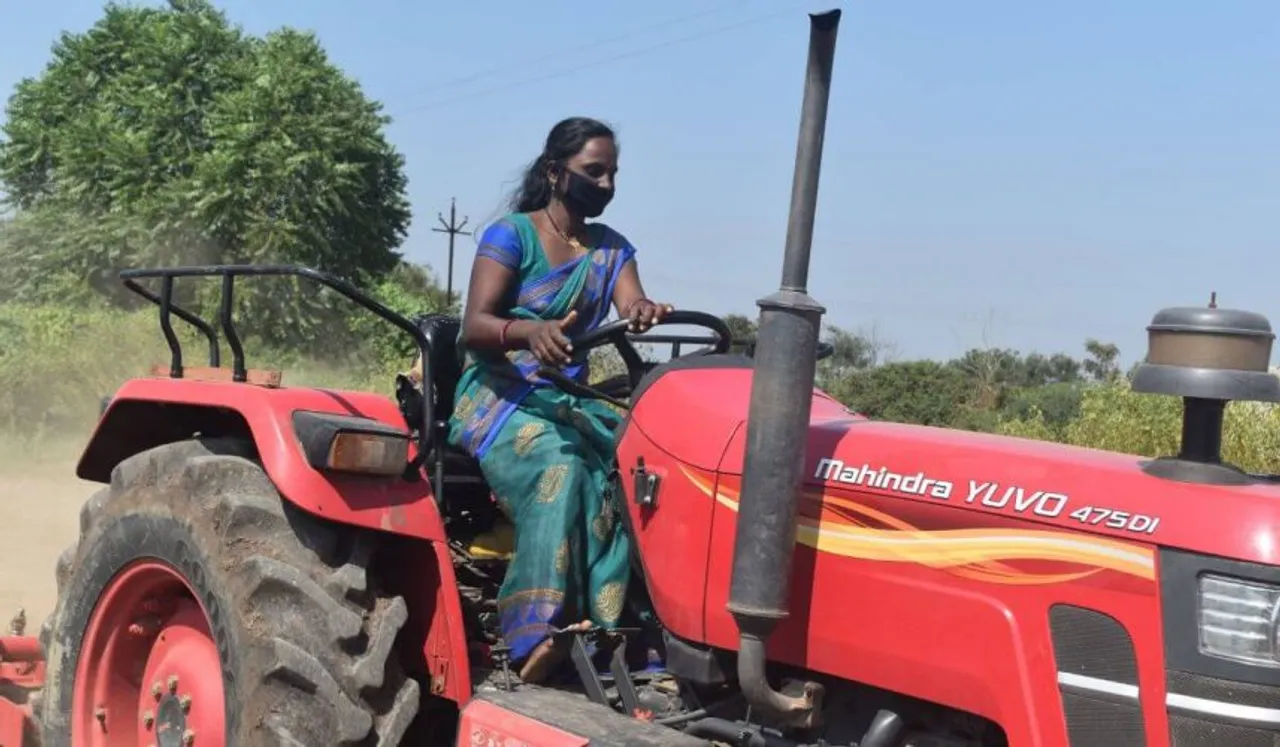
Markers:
<point>616,334</point>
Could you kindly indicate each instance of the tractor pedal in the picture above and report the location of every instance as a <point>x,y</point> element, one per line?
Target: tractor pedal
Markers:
<point>622,682</point>
<point>582,662</point>
<point>586,645</point>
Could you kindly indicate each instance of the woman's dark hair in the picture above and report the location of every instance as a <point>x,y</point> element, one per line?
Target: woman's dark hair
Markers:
<point>564,141</point>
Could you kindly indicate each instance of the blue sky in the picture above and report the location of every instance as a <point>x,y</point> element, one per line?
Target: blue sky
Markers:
<point>996,173</point>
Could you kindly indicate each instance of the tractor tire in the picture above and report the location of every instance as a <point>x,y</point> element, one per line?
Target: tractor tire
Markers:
<point>199,607</point>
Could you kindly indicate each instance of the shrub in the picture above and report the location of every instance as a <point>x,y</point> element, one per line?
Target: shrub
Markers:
<point>1113,417</point>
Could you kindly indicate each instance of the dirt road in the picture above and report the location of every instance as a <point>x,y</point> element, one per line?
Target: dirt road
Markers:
<point>39,516</point>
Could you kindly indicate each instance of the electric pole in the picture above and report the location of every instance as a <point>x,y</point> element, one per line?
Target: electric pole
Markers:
<point>453,228</point>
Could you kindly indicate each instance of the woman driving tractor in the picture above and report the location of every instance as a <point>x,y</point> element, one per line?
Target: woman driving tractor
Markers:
<point>542,275</point>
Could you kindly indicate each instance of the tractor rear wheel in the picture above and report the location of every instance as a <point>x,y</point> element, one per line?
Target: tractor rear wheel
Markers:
<point>200,608</point>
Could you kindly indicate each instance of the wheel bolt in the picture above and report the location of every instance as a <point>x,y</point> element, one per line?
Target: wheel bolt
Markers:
<point>156,689</point>
<point>144,626</point>
<point>148,719</point>
<point>185,702</point>
<point>173,683</point>
<point>188,737</point>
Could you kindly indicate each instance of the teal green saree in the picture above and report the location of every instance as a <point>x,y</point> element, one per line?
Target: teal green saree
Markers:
<point>547,454</point>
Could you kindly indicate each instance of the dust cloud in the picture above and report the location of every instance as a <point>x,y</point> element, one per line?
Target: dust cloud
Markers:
<point>39,517</point>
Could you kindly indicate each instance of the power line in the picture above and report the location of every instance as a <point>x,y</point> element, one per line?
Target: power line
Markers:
<point>578,48</point>
<point>597,63</point>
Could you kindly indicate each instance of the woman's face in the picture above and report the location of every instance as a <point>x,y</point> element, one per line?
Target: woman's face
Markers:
<point>585,186</point>
<point>598,161</point>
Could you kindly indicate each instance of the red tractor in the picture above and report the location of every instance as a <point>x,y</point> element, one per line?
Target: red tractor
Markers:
<point>279,566</point>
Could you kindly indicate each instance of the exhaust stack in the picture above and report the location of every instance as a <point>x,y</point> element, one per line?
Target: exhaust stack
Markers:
<point>778,418</point>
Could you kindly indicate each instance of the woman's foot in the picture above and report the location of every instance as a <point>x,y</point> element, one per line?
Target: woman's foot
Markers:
<point>548,654</point>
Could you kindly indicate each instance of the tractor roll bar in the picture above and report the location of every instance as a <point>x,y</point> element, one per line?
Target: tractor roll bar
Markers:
<point>228,273</point>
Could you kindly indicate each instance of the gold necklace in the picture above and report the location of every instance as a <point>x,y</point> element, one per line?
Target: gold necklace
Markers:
<point>572,241</point>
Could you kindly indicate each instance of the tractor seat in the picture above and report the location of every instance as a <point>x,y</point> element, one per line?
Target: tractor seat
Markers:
<point>441,331</point>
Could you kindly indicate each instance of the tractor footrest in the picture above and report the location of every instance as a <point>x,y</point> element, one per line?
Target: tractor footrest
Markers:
<point>611,641</point>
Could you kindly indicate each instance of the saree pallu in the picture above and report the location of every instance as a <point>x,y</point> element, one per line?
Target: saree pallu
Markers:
<point>547,454</point>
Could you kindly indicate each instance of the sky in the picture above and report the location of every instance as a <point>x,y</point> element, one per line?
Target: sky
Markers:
<point>996,172</point>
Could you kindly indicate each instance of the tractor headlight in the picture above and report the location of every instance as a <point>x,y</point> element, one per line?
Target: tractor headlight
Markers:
<point>1238,620</point>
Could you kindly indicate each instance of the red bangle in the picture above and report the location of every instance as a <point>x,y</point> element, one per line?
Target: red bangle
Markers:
<point>502,336</point>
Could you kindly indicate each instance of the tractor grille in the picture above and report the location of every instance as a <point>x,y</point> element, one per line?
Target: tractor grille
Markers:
<point>1209,712</point>
<point>1098,679</point>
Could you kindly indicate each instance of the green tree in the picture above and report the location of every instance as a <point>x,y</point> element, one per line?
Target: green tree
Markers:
<point>168,135</point>
<point>1056,403</point>
<point>999,374</point>
<point>1103,363</point>
<point>743,329</point>
<point>410,290</point>
<point>1059,368</point>
<point>923,392</point>
<point>851,352</point>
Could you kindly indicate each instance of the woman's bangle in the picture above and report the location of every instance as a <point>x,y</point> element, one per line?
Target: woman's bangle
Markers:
<point>502,336</point>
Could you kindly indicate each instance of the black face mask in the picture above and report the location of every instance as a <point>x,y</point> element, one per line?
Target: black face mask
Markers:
<point>583,196</point>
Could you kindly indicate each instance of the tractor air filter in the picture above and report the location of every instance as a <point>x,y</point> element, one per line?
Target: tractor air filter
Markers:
<point>1208,357</point>
<point>1209,353</point>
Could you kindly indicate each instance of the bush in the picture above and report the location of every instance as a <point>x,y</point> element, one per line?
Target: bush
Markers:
<point>1113,417</point>
<point>924,392</point>
<point>56,363</point>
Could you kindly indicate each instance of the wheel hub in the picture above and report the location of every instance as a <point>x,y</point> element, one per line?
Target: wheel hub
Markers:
<point>171,722</point>
<point>148,649</point>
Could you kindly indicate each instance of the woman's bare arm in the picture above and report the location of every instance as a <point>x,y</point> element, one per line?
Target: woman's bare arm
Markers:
<point>481,326</point>
<point>632,304</point>
<point>628,289</point>
<point>481,320</point>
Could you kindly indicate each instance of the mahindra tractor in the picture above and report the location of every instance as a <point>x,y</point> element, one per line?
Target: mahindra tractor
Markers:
<point>267,565</point>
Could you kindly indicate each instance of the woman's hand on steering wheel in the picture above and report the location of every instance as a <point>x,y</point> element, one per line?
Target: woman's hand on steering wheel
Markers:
<point>550,344</point>
<point>643,314</point>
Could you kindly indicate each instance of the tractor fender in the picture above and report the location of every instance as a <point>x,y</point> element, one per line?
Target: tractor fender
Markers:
<point>146,413</point>
<point>149,412</point>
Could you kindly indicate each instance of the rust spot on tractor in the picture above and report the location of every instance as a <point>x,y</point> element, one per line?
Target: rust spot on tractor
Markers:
<point>438,673</point>
<point>253,377</point>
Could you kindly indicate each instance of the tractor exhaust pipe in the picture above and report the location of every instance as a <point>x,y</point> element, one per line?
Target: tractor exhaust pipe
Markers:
<point>778,418</point>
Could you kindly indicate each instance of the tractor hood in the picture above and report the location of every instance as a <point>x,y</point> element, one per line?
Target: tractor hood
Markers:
<point>697,413</point>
